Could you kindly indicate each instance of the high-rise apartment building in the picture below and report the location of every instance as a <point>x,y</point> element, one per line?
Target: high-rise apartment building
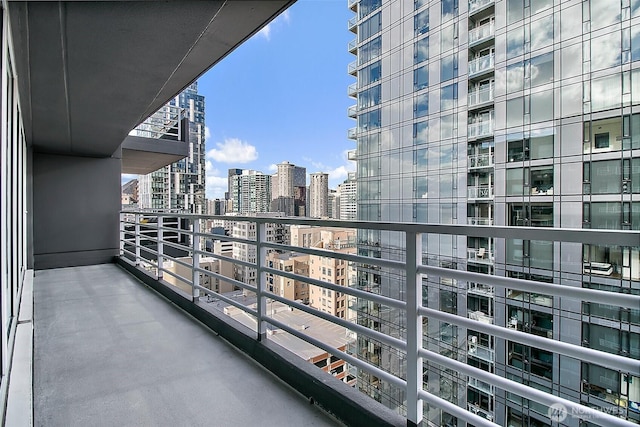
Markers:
<point>348,206</point>
<point>518,113</point>
<point>250,192</point>
<point>181,185</point>
<point>319,195</point>
<point>288,189</point>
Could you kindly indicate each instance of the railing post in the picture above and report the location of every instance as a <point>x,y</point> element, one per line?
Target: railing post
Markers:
<point>160,246</point>
<point>261,278</point>
<point>137,239</point>
<point>414,328</point>
<point>195,292</point>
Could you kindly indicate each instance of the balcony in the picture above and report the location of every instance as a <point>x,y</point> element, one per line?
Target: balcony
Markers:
<point>479,321</point>
<point>352,111</point>
<point>480,351</point>
<point>353,5</point>
<point>483,129</point>
<point>482,33</point>
<point>480,97</point>
<point>352,133</point>
<point>478,220</point>
<point>480,161</point>
<point>479,411</point>
<point>481,66</point>
<point>352,47</point>
<point>476,6</point>
<point>480,192</point>
<point>352,68</point>
<point>352,24</point>
<point>107,308</point>
<point>480,256</point>
<point>352,90</point>
<point>353,156</point>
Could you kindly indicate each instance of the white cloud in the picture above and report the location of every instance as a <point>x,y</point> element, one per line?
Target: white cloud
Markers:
<point>216,186</point>
<point>233,150</point>
<point>273,167</point>
<point>267,29</point>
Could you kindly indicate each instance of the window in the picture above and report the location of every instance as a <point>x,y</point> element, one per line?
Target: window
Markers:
<point>421,77</point>
<point>421,133</point>
<point>530,359</point>
<point>541,69</point>
<point>421,22</point>
<point>604,135</point>
<point>370,50</point>
<point>369,74</point>
<point>369,97</point>
<point>421,50</point>
<point>520,147</point>
<point>448,97</point>
<point>602,140</point>
<point>370,27</point>
<point>515,77</point>
<point>449,67</point>
<point>605,177</point>
<point>421,105</point>
<point>369,120</point>
<point>541,32</point>
<point>531,215</point>
<point>449,9</point>
<point>515,42</point>
<point>542,180</point>
<point>365,7</point>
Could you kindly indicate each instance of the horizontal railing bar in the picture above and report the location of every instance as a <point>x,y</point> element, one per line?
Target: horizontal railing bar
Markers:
<point>379,336</point>
<point>577,352</point>
<point>177,276</point>
<point>226,279</point>
<point>590,236</point>
<point>227,238</point>
<point>522,390</point>
<point>455,410</point>
<point>390,378</point>
<point>236,304</point>
<point>177,261</point>
<point>133,254</point>
<point>342,289</point>
<point>604,297</point>
<point>176,245</point>
<point>347,257</point>
<point>226,258</point>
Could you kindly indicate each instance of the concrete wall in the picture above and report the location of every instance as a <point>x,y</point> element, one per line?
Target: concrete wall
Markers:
<point>76,204</point>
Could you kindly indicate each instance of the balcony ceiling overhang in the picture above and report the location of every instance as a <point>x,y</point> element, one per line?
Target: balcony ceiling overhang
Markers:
<point>89,72</point>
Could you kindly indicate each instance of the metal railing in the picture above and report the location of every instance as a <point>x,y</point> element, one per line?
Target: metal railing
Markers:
<point>352,90</point>
<point>481,64</point>
<point>146,239</point>
<point>481,96</point>
<point>480,161</point>
<point>482,32</point>
<point>163,124</point>
<point>479,192</point>
<point>352,46</point>
<point>352,67</point>
<point>480,129</point>
<point>475,5</point>
<point>352,133</point>
<point>352,24</point>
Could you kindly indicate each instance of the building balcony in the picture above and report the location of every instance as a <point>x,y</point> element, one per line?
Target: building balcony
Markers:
<point>352,24</point>
<point>352,68</point>
<point>476,6</point>
<point>352,111</point>
<point>352,90</point>
<point>480,192</point>
<point>480,161</point>
<point>352,133</point>
<point>480,97</point>
<point>478,220</point>
<point>482,33</point>
<point>353,5</point>
<point>480,351</point>
<point>483,129</point>
<point>480,256</point>
<point>84,313</point>
<point>353,156</point>
<point>479,411</point>
<point>481,289</point>
<point>352,47</point>
<point>481,66</point>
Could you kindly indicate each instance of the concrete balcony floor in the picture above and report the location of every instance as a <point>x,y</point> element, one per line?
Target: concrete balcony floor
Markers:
<point>110,351</point>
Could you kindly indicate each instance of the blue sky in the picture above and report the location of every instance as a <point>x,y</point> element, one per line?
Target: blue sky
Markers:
<point>282,95</point>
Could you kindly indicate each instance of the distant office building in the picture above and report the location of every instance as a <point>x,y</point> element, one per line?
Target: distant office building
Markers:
<point>319,195</point>
<point>130,188</point>
<point>348,204</point>
<point>288,190</point>
<point>216,207</point>
<point>181,185</point>
<point>231,173</point>
<point>333,204</point>
<point>292,262</point>
<point>250,192</point>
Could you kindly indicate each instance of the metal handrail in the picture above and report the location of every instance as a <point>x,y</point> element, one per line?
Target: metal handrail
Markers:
<point>133,231</point>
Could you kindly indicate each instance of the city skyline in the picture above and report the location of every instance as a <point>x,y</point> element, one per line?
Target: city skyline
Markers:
<point>242,133</point>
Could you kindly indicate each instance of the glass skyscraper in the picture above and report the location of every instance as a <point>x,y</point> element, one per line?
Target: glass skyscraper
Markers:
<point>493,113</point>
